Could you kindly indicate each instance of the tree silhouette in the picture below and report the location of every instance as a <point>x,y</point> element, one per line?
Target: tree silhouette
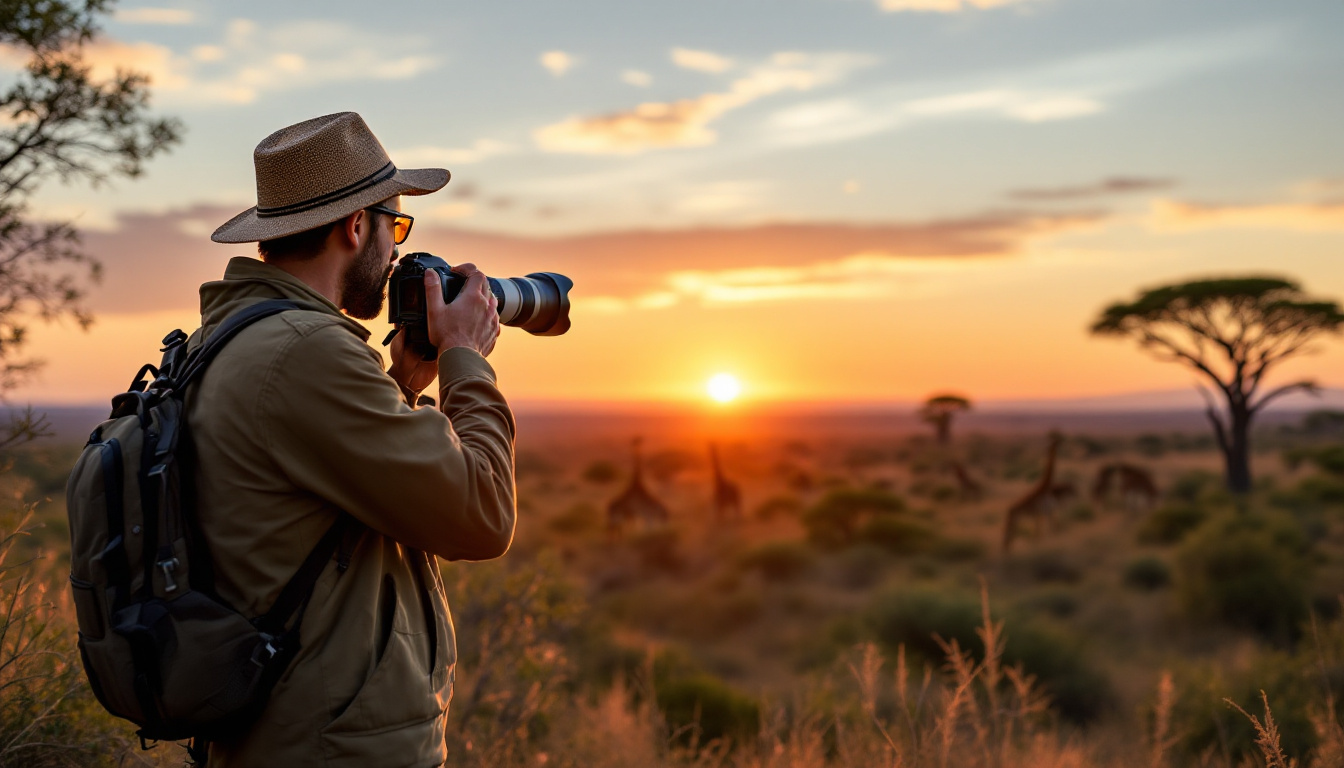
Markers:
<point>939,410</point>
<point>1232,331</point>
<point>59,123</point>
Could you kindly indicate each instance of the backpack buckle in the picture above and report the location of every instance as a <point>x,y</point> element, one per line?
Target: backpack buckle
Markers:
<point>168,566</point>
<point>265,652</point>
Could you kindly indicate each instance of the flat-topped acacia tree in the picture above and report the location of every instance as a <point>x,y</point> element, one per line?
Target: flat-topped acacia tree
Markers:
<point>939,410</point>
<point>1233,331</point>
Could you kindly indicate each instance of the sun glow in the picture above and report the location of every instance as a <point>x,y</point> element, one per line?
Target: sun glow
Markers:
<point>723,387</point>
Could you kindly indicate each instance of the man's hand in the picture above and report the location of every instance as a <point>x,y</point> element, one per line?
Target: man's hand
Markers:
<point>409,368</point>
<point>471,321</point>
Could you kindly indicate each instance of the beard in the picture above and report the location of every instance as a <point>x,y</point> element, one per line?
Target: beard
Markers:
<point>364,284</point>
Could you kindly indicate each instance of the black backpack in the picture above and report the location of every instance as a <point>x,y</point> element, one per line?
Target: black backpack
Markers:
<point>159,646</point>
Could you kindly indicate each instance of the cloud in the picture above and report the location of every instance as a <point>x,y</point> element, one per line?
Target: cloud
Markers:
<point>685,123</point>
<point>481,149</point>
<point>252,61</point>
<point>168,254</point>
<point>1114,185</point>
<point>556,62</point>
<point>1018,105</point>
<point>637,78</point>
<point>701,61</point>
<point>164,16</point>
<point>943,6</point>
<point>1175,216</point>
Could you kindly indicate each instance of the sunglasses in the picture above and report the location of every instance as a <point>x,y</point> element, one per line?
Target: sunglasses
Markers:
<point>401,223</point>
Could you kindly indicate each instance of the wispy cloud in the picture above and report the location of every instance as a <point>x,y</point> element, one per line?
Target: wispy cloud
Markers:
<point>481,149</point>
<point>1171,215</point>
<point>701,61</point>
<point>943,6</point>
<point>556,62</point>
<point>637,78</point>
<point>1027,106</point>
<point>1114,185</point>
<point>164,16</point>
<point>251,61</point>
<point>685,123</point>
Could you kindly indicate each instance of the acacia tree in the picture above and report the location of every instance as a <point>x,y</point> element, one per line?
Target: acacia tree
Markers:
<point>1233,332</point>
<point>939,411</point>
<point>59,122</point>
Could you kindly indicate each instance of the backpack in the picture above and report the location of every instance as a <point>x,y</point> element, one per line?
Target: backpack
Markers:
<point>159,646</point>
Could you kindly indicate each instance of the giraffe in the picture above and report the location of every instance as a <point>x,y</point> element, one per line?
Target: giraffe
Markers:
<point>727,494</point>
<point>967,487</point>
<point>1137,489</point>
<point>635,503</point>
<point>1039,503</point>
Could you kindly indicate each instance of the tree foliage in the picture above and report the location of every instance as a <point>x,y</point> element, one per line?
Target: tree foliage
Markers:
<point>939,410</point>
<point>59,122</point>
<point>1233,331</point>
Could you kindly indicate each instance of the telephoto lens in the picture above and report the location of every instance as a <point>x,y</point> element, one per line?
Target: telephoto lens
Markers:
<point>538,303</point>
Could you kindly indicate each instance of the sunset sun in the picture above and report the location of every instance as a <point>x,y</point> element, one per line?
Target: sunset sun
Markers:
<point>723,387</point>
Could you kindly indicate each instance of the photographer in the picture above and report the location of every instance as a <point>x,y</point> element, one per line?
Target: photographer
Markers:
<point>297,423</point>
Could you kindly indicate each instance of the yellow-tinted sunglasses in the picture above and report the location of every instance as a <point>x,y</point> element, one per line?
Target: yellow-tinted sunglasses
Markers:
<point>401,222</point>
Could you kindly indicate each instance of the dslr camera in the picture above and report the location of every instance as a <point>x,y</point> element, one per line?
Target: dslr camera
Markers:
<point>538,303</point>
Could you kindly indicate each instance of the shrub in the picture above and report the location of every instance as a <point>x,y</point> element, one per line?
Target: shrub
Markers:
<point>779,560</point>
<point>913,617</point>
<point>898,535</point>
<point>601,472</point>
<point>659,549</point>
<point>778,506</point>
<point>835,520</point>
<point>861,566</point>
<point>1047,566</point>
<point>1191,486</point>
<point>579,518</point>
<point>702,708</point>
<point>1147,574</point>
<point>1171,523</point>
<point>1247,573</point>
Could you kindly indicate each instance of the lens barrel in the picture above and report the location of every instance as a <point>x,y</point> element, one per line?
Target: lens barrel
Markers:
<point>538,303</point>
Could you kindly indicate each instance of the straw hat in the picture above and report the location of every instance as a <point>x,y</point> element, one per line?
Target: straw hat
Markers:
<point>318,171</point>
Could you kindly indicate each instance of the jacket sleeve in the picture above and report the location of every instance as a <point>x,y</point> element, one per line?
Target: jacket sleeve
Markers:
<point>338,427</point>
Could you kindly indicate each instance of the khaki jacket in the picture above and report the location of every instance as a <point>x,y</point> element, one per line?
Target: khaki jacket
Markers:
<point>297,420</point>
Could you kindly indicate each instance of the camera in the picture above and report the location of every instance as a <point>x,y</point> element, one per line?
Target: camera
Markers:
<point>538,303</point>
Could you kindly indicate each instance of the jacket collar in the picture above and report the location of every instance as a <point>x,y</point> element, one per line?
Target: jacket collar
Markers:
<point>248,281</point>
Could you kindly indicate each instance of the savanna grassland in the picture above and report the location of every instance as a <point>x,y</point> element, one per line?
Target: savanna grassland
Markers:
<point>859,611</point>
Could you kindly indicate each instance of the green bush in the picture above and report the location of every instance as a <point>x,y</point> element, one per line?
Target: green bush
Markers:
<point>1250,573</point>
<point>898,535</point>
<point>835,520</point>
<point>779,560</point>
<point>702,708</point>
<point>1169,524</point>
<point>659,549</point>
<point>1192,486</point>
<point>1079,693</point>
<point>1147,574</point>
<point>1047,566</point>
<point>861,566</point>
<point>601,472</point>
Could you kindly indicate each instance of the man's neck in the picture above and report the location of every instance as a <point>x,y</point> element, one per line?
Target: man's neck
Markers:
<point>318,274</point>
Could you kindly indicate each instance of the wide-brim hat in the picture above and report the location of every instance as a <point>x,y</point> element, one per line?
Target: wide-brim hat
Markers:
<point>318,171</point>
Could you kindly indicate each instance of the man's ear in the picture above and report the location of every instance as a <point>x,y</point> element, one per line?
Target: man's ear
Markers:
<point>350,229</point>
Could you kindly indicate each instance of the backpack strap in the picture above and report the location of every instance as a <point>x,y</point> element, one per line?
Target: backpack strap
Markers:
<point>295,594</point>
<point>200,359</point>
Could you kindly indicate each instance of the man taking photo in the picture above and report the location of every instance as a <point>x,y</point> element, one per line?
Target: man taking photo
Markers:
<point>297,422</point>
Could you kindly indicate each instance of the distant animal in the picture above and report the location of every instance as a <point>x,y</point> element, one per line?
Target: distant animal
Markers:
<point>967,488</point>
<point>1135,486</point>
<point>635,503</point>
<point>1039,504</point>
<point>727,494</point>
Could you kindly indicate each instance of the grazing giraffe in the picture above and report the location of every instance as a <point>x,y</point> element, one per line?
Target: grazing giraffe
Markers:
<point>1039,503</point>
<point>635,503</point>
<point>967,488</point>
<point>1137,489</point>
<point>727,494</point>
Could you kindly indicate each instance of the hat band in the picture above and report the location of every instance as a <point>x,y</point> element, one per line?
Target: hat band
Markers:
<point>380,175</point>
